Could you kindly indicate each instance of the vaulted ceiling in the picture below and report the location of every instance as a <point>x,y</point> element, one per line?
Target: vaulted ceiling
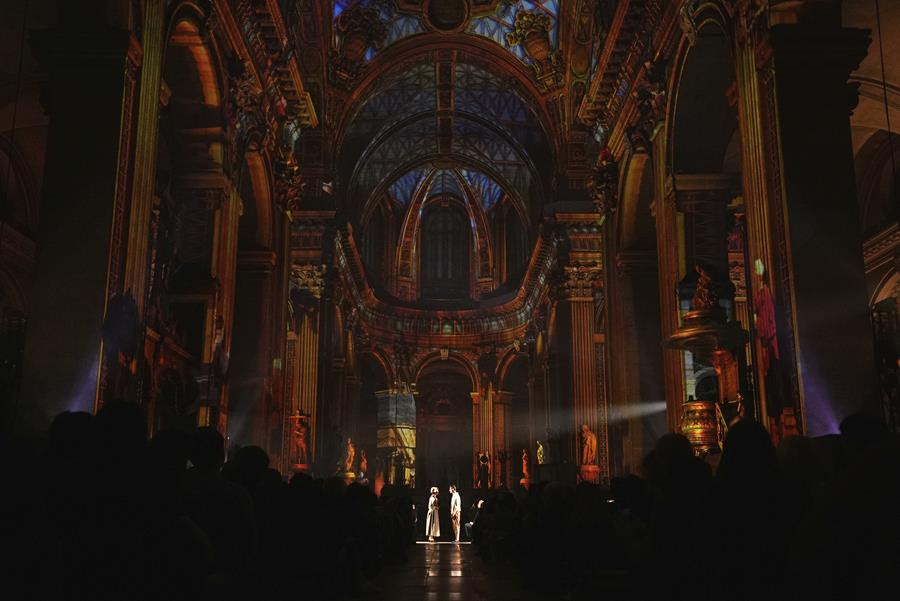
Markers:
<point>472,100</point>
<point>477,87</point>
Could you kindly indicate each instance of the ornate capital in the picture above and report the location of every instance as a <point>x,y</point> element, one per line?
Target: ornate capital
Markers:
<point>309,278</point>
<point>578,282</point>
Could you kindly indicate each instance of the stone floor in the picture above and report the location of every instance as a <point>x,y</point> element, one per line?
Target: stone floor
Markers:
<point>449,572</point>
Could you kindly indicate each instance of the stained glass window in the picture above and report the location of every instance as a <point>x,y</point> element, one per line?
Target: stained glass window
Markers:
<point>445,183</point>
<point>445,253</point>
<point>487,191</point>
<point>402,190</point>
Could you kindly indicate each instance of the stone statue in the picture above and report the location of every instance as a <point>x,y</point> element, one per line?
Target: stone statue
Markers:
<point>588,446</point>
<point>541,457</point>
<point>484,470</point>
<point>551,446</point>
<point>704,296</point>
<point>363,462</point>
<point>351,455</point>
<point>299,433</point>
<point>525,471</point>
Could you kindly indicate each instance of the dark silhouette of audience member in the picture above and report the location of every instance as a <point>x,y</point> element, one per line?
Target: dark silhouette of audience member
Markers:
<point>223,509</point>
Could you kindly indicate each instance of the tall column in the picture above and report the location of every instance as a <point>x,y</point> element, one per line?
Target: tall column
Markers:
<point>807,277</point>
<point>502,453</point>
<point>307,250</point>
<point>483,431</point>
<point>145,149</point>
<point>581,280</point>
<point>250,373</point>
<point>636,378</point>
<point>90,93</point>
<point>814,104</point>
<point>306,289</point>
<point>669,247</point>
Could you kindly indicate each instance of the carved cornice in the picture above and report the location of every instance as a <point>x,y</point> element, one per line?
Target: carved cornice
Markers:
<point>502,323</point>
<point>625,50</point>
<point>882,247</point>
<point>604,185</point>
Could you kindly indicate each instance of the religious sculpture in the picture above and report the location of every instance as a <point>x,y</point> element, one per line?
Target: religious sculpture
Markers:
<point>588,446</point>
<point>502,466</point>
<point>525,469</point>
<point>350,456</point>
<point>705,297</point>
<point>363,462</point>
<point>299,447</point>
<point>484,470</point>
<point>541,457</point>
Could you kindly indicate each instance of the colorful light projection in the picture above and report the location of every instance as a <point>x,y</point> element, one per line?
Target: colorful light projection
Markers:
<point>396,419</point>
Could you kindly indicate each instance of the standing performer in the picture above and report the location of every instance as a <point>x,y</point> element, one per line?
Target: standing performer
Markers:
<point>432,520</point>
<point>455,511</point>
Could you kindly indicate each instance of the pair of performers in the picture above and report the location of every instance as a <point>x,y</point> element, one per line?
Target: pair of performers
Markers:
<point>432,521</point>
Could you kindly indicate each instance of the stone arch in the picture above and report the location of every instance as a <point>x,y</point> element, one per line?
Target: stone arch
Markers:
<point>460,361</point>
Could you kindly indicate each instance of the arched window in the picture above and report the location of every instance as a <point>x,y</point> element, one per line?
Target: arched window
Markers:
<point>445,253</point>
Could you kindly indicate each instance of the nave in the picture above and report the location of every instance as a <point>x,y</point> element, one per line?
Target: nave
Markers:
<point>451,572</point>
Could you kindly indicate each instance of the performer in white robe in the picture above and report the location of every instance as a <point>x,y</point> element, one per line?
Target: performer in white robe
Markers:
<point>432,520</point>
<point>455,511</point>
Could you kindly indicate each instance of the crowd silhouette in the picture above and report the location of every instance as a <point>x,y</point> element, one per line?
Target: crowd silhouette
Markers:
<point>816,518</point>
<point>104,513</point>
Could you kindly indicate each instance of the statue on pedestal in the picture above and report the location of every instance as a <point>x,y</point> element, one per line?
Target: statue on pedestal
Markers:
<point>299,449</point>
<point>541,454</point>
<point>525,470</point>
<point>502,456</point>
<point>484,470</point>
<point>588,446</point>
<point>363,462</point>
<point>350,456</point>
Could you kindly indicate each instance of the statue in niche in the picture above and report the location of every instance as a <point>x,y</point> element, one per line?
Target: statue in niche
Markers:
<point>541,456</point>
<point>350,455</point>
<point>588,446</point>
<point>525,469</point>
<point>299,449</point>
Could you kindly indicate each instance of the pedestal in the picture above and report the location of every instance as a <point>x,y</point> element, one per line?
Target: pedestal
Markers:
<point>700,425</point>
<point>589,473</point>
<point>525,482</point>
<point>349,477</point>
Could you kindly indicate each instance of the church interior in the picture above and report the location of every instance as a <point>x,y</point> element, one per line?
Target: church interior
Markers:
<point>623,273</point>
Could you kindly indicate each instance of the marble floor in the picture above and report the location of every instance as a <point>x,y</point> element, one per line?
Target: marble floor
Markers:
<point>449,572</point>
